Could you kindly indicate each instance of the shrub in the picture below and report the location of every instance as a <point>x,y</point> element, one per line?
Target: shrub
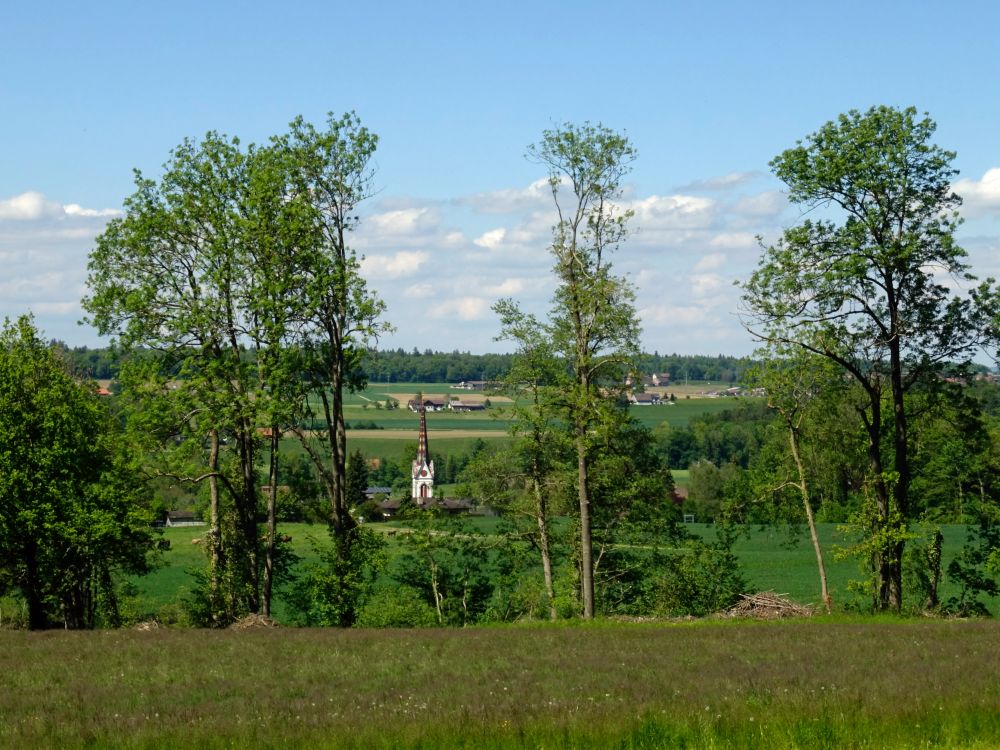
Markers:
<point>333,591</point>
<point>396,607</point>
<point>700,579</point>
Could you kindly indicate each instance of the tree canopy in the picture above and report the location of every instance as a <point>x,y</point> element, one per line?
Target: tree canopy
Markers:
<point>864,285</point>
<point>70,516</point>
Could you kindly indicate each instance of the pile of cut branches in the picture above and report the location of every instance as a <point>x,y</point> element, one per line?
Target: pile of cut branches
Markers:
<point>766,605</point>
<point>252,622</point>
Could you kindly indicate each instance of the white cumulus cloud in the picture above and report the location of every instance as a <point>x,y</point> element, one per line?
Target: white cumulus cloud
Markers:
<point>768,204</point>
<point>463,308</point>
<point>74,209</point>
<point>30,206</point>
<point>671,212</point>
<point>706,284</point>
<point>403,263</point>
<point>511,200</point>
<point>491,240</point>
<point>402,221</point>
<point>733,240</point>
<point>980,197</point>
<point>710,262</point>
<point>33,206</point>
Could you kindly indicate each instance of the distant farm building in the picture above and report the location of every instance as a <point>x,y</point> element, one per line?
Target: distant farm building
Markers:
<point>656,380</point>
<point>471,385</point>
<point>179,518</point>
<point>427,404</point>
<point>462,406</point>
<point>644,399</point>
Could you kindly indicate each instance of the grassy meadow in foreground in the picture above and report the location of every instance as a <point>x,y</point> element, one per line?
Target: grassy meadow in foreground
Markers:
<point>791,684</point>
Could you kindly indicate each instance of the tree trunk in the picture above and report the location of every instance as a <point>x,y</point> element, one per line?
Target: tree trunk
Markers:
<point>586,542</point>
<point>340,517</point>
<point>934,570</point>
<point>804,489</point>
<point>882,561</point>
<point>37,620</point>
<point>436,594</point>
<point>215,524</point>
<point>541,513</point>
<point>272,523</point>
<point>901,458</point>
<point>247,512</point>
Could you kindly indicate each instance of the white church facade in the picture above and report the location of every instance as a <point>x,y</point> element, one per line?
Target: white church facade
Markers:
<point>422,471</point>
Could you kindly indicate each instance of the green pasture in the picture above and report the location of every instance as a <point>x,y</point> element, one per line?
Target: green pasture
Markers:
<point>772,558</point>
<point>677,414</point>
<point>440,444</point>
<point>832,683</point>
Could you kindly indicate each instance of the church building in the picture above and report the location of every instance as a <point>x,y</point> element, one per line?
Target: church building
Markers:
<point>423,468</point>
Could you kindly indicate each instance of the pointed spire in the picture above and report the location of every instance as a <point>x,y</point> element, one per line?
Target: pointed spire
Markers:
<point>422,437</point>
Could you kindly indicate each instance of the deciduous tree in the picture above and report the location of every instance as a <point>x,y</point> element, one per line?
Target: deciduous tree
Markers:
<point>70,516</point>
<point>593,324</point>
<point>862,284</point>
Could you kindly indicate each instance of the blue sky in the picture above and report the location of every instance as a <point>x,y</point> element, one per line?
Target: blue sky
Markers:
<point>708,92</point>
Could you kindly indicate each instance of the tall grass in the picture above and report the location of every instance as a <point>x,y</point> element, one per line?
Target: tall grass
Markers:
<point>829,684</point>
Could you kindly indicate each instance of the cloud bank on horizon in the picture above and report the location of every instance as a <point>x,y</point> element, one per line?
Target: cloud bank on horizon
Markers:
<point>441,264</point>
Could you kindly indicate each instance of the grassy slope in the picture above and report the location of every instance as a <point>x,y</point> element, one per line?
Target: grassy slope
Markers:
<point>803,684</point>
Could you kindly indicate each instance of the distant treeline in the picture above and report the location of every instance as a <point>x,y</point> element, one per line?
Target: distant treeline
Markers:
<point>400,366</point>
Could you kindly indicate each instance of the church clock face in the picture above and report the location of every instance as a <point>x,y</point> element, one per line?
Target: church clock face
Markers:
<point>423,472</point>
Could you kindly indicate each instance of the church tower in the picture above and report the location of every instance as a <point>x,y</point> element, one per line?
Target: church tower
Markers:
<point>423,467</point>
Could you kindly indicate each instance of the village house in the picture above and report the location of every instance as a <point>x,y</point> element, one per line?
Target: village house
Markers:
<point>181,518</point>
<point>471,385</point>
<point>644,399</point>
<point>656,380</point>
<point>463,406</point>
<point>427,404</point>
<point>372,492</point>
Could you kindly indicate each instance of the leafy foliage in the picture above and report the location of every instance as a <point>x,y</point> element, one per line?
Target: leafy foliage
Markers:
<point>977,567</point>
<point>700,578</point>
<point>863,289</point>
<point>335,590</point>
<point>70,518</point>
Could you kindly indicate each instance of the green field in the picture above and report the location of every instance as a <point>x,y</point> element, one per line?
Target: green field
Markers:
<point>451,432</point>
<point>773,559</point>
<point>819,684</point>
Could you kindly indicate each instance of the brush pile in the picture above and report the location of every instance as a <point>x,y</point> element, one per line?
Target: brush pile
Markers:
<point>253,622</point>
<point>766,605</point>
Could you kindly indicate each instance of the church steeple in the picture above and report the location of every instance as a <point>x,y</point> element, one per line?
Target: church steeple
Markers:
<point>423,468</point>
<point>422,437</point>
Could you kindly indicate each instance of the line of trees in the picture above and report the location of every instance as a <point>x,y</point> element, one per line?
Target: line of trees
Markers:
<point>400,366</point>
<point>233,294</point>
<point>233,250</point>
